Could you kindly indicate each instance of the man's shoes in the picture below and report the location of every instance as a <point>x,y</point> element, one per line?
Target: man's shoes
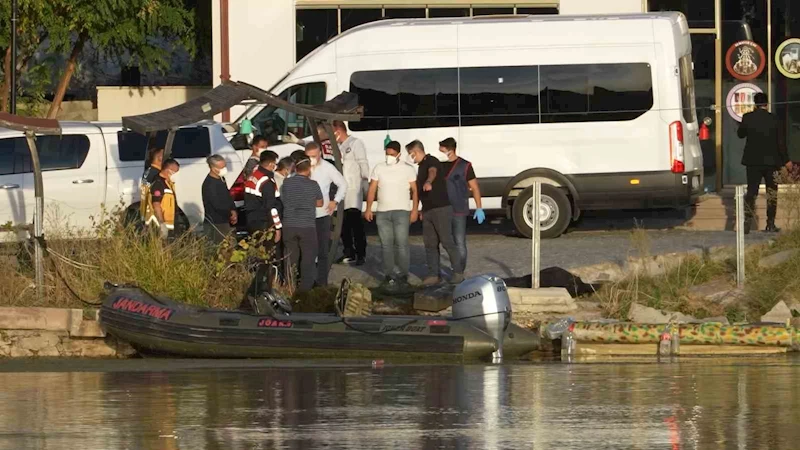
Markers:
<point>346,260</point>
<point>360,261</point>
<point>457,278</point>
<point>771,228</point>
<point>430,281</point>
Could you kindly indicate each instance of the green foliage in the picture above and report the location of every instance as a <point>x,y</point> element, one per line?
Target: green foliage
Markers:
<point>126,31</point>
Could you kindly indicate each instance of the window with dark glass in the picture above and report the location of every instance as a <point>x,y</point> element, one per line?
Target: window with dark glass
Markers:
<point>403,99</point>
<point>595,92</point>
<point>491,11</point>
<point>687,89</point>
<point>314,28</point>
<point>499,95</point>
<point>67,151</point>
<point>537,11</point>
<point>189,143</point>
<point>448,12</point>
<point>274,123</point>
<point>404,13</point>
<point>352,18</point>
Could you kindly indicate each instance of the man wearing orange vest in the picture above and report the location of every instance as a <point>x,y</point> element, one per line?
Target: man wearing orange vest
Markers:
<point>161,203</point>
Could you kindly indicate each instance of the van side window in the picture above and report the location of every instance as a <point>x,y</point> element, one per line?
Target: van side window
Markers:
<point>189,143</point>
<point>273,123</point>
<point>404,99</point>
<point>499,95</point>
<point>55,153</point>
<point>595,92</point>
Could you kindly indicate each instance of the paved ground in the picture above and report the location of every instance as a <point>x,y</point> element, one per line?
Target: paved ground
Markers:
<point>495,248</point>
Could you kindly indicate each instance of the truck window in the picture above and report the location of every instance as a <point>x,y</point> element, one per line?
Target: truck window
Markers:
<point>55,153</point>
<point>499,95</point>
<point>189,143</point>
<point>273,123</point>
<point>687,89</point>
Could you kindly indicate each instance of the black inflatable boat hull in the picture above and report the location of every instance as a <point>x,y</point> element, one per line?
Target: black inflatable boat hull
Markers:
<point>171,328</point>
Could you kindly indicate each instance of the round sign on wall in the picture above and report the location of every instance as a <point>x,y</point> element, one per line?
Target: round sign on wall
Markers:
<point>745,60</point>
<point>741,100</point>
<point>787,58</point>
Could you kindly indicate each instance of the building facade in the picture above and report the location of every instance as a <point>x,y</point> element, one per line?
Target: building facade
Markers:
<point>258,41</point>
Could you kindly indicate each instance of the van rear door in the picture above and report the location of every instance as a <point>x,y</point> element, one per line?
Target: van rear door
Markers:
<point>692,150</point>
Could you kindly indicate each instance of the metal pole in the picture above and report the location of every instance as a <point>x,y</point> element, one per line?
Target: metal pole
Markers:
<point>718,100</point>
<point>740,219</point>
<point>38,216</point>
<point>536,235</point>
<point>769,54</point>
<point>13,75</point>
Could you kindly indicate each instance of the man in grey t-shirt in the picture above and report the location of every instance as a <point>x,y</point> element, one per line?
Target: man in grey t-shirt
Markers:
<point>301,197</point>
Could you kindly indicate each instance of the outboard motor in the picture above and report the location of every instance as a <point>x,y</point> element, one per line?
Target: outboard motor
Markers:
<point>483,302</point>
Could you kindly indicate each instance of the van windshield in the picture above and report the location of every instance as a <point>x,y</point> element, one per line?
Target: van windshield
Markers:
<point>687,89</point>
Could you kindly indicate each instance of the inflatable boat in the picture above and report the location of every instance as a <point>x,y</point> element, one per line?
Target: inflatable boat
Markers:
<point>480,328</point>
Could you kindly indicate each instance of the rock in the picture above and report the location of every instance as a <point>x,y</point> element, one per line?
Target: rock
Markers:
<point>541,301</point>
<point>434,298</point>
<point>42,343</point>
<point>644,314</point>
<point>600,273</point>
<point>777,259</point>
<point>780,313</point>
<point>718,291</point>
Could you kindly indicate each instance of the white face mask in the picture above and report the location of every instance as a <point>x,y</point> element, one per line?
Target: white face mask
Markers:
<point>314,162</point>
<point>392,160</point>
<point>173,177</point>
<point>261,150</point>
<point>443,157</point>
<point>223,172</point>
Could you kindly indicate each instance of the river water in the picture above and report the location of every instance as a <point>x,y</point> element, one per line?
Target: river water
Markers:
<point>750,403</point>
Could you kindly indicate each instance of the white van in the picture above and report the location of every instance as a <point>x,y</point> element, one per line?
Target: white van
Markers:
<point>599,108</point>
<point>92,164</point>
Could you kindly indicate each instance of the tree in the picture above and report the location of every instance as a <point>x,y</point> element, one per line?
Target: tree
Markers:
<point>32,31</point>
<point>130,32</point>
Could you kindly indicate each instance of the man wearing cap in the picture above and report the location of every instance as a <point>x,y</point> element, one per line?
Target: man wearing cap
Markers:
<point>394,184</point>
<point>460,180</point>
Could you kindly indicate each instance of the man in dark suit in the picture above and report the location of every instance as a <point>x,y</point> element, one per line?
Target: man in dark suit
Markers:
<point>764,155</point>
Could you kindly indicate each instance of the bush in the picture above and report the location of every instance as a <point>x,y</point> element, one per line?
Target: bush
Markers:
<point>187,269</point>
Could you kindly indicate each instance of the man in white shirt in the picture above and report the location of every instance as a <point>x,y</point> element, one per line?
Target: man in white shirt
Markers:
<point>394,183</point>
<point>325,174</point>
<point>356,172</point>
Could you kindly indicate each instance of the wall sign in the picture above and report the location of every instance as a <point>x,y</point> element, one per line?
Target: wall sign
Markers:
<point>787,58</point>
<point>745,60</point>
<point>740,100</point>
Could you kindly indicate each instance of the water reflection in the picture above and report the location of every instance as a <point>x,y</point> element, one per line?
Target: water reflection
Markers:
<point>699,404</point>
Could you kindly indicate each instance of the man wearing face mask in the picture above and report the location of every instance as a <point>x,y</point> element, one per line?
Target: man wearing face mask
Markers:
<point>262,197</point>
<point>220,211</point>
<point>325,175</point>
<point>394,184</point>
<point>285,168</point>
<point>356,171</point>
<point>437,215</point>
<point>460,180</point>
<point>162,203</point>
<point>257,147</point>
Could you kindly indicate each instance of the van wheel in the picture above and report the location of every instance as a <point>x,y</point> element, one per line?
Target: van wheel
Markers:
<point>555,212</point>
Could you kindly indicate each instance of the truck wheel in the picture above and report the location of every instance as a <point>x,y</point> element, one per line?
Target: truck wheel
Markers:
<point>555,212</point>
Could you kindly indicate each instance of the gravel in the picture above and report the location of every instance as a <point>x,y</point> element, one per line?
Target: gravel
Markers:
<point>496,249</point>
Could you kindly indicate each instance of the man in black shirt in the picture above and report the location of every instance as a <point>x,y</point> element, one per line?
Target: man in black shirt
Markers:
<point>220,211</point>
<point>437,215</point>
<point>764,154</point>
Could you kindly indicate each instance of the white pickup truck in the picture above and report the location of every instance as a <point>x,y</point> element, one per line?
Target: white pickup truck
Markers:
<point>92,164</point>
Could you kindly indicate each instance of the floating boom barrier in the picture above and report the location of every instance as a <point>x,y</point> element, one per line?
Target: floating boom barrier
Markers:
<point>767,335</point>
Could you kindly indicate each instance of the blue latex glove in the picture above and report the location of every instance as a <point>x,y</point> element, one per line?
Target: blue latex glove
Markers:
<point>479,215</point>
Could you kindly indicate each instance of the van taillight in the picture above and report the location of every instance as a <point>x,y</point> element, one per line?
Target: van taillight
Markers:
<point>676,147</point>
